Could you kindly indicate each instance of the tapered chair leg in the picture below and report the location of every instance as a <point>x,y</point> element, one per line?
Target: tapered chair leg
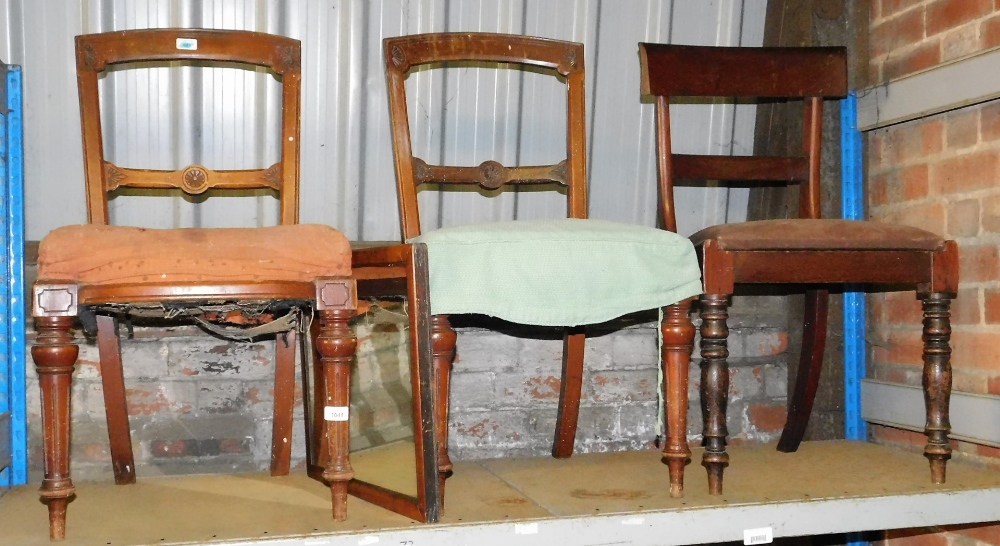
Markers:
<point>714,386</point>
<point>55,355</point>
<point>678,341</point>
<point>335,344</point>
<point>284,402</point>
<point>115,405</point>
<point>937,381</point>
<point>810,365</point>
<point>443,340</point>
<point>569,393</point>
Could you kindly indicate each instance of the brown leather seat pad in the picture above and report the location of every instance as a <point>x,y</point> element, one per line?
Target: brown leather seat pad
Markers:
<point>807,234</point>
<point>101,255</point>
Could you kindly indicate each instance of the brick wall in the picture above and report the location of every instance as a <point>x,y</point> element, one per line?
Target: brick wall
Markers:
<point>200,404</point>
<point>939,173</point>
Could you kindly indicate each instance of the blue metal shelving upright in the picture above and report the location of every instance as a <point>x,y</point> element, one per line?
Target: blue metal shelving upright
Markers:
<point>13,430</point>
<point>853,208</point>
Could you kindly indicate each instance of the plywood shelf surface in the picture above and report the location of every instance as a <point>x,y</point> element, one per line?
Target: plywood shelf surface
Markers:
<point>827,487</point>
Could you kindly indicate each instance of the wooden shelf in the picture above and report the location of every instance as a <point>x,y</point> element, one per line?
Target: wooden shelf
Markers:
<point>827,487</point>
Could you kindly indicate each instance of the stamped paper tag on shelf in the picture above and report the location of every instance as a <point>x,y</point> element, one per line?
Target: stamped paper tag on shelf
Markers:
<point>336,413</point>
<point>763,535</point>
<point>187,44</point>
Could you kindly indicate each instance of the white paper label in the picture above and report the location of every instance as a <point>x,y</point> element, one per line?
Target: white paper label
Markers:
<point>335,413</point>
<point>188,44</point>
<point>764,535</point>
<point>525,528</point>
<point>365,541</point>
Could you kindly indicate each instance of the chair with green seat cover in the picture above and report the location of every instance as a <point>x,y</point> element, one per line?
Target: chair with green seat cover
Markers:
<point>566,272</point>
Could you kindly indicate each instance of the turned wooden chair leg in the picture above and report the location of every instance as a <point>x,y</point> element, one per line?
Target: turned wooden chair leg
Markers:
<point>678,341</point>
<point>335,344</point>
<point>810,364</point>
<point>443,340</point>
<point>714,386</point>
<point>115,405</point>
<point>284,402</point>
<point>55,355</point>
<point>937,381</point>
<point>569,392</point>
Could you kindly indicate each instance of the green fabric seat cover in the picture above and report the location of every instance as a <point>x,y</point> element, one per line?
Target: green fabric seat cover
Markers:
<point>564,272</point>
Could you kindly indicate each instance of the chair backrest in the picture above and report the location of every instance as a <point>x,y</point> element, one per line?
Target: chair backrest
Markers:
<point>95,52</point>
<point>809,73</point>
<point>562,58</point>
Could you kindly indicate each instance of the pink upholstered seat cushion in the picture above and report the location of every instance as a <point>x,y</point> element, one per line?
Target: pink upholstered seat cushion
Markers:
<point>807,234</point>
<point>101,255</point>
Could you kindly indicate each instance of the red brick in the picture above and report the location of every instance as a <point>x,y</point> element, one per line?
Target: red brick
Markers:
<point>917,59</point>
<point>978,263</point>
<point>962,128</point>
<point>914,181</point>
<point>906,375</point>
<point>944,15</point>
<point>928,216</point>
<point>878,188</point>
<point>875,147</point>
<point>976,350</point>
<point>768,418</point>
<point>965,380</point>
<point>902,347</point>
<point>910,142</point>
<point>168,448</point>
<point>961,42</point>
<point>899,436</point>
<point>875,73</point>
<point>990,214</point>
<point>915,537</point>
<point>903,308</point>
<point>991,299</point>
<point>989,122</point>
<point>92,452</point>
<point>898,32</point>
<point>963,218</point>
<point>964,173</point>
<point>989,32</point>
<point>889,7</point>
<point>932,136</point>
<point>965,308</point>
<point>988,533</point>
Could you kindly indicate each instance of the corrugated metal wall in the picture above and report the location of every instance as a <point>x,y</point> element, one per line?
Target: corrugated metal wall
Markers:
<point>347,173</point>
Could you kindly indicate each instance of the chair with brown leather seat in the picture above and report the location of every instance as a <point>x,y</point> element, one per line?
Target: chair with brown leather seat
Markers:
<point>806,250</point>
<point>566,272</point>
<point>276,277</point>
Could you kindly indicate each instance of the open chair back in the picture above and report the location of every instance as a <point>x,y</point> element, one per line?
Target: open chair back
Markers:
<point>561,58</point>
<point>811,74</point>
<point>281,55</point>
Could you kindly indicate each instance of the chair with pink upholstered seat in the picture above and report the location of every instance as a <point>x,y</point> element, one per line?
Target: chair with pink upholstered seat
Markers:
<point>275,277</point>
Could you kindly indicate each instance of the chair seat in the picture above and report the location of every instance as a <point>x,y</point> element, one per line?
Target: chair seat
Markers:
<point>104,255</point>
<point>564,272</point>
<point>809,234</point>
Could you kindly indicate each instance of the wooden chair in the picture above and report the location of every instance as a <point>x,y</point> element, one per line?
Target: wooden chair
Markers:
<point>807,250</point>
<point>100,272</point>
<point>568,272</point>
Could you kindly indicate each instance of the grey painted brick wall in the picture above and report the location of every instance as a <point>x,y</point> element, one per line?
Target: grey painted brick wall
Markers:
<point>201,404</point>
